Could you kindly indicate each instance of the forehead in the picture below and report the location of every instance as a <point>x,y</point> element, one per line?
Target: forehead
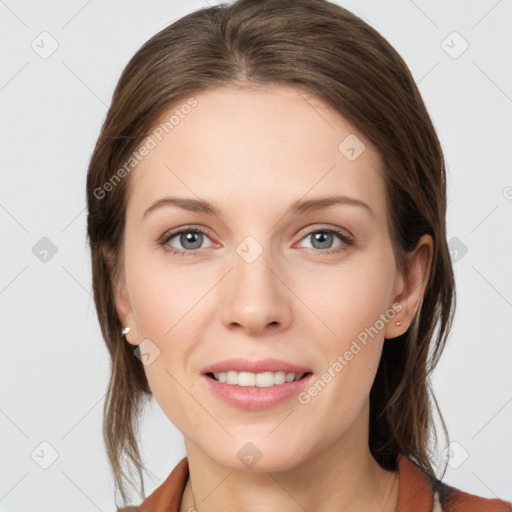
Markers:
<point>247,145</point>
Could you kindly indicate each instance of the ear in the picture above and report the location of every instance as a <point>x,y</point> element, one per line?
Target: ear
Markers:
<point>121,298</point>
<point>410,287</point>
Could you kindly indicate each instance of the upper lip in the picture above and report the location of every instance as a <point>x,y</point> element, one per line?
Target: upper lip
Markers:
<point>260,366</point>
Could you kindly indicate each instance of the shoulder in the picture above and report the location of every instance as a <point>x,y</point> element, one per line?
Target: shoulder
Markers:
<point>425,493</point>
<point>451,499</point>
<point>167,496</point>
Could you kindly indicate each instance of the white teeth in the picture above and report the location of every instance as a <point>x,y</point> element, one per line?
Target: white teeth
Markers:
<point>260,380</point>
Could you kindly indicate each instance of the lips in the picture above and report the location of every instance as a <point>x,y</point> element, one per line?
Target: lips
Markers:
<point>259,366</point>
<point>253,398</point>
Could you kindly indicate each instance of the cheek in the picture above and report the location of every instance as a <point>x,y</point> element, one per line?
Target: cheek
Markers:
<point>343,302</point>
<point>349,334</point>
<point>159,297</point>
<point>348,331</point>
<point>165,307</point>
<point>158,310</point>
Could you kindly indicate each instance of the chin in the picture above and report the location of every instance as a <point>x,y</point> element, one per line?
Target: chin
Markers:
<point>254,456</point>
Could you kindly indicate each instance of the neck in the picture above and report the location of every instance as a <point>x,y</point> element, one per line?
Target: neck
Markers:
<point>343,476</point>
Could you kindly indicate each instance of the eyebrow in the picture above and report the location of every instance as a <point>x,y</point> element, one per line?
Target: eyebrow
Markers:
<point>299,206</point>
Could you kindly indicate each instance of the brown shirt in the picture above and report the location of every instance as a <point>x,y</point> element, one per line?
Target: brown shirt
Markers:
<point>417,493</point>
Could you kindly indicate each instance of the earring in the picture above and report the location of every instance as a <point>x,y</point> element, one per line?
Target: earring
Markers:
<point>398,323</point>
<point>126,330</point>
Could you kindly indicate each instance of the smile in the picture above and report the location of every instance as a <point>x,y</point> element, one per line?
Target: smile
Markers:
<point>260,380</point>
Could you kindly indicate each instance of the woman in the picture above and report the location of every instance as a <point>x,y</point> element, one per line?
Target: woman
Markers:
<point>292,341</point>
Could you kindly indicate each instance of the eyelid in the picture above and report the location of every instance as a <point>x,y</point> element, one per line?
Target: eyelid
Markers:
<point>171,233</point>
<point>313,228</point>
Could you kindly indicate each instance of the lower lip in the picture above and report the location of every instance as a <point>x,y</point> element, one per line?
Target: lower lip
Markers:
<point>254,398</point>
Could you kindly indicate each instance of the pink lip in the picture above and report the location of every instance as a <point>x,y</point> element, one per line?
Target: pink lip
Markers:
<point>253,398</point>
<point>263,365</point>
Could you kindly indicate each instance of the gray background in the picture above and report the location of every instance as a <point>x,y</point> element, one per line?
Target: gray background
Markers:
<point>54,365</point>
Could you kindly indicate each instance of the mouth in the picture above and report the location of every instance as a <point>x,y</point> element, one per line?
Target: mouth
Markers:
<point>256,385</point>
<point>260,380</point>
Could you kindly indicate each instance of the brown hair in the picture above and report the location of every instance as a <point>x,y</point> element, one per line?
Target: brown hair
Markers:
<point>325,50</point>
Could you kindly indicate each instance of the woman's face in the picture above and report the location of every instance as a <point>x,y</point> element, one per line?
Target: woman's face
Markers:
<point>267,279</point>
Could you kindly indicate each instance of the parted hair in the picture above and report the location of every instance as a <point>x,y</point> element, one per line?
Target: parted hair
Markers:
<point>323,49</point>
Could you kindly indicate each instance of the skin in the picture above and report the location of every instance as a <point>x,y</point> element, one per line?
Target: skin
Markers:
<point>252,153</point>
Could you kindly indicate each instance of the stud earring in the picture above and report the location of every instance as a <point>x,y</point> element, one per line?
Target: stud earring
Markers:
<point>126,330</point>
<point>398,323</point>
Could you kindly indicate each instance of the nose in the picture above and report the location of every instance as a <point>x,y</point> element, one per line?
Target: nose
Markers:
<point>256,297</point>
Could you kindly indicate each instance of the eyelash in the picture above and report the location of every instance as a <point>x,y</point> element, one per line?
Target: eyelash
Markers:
<point>347,240</point>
